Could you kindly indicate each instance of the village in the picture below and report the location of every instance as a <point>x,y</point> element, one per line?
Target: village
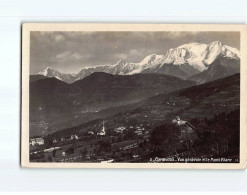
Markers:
<point>122,144</point>
<point>86,147</point>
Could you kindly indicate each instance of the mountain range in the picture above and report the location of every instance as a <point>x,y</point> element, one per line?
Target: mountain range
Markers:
<point>195,61</point>
<point>98,91</point>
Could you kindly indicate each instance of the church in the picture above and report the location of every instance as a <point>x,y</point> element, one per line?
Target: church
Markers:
<point>102,131</point>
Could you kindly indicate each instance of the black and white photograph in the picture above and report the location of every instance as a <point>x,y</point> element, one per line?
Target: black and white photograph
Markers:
<point>123,96</point>
<point>151,98</point>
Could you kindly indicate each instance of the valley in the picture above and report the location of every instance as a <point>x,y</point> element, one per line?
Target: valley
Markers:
<point>129,127</point>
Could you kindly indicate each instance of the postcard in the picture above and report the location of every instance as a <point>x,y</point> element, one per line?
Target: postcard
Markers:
<point>134,96</point>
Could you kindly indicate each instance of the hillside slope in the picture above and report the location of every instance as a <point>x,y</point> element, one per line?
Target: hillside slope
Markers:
<point>53,102</point>
<point>205,100</point>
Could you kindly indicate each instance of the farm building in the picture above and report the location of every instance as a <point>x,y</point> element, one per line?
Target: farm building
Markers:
<point>37,141</point>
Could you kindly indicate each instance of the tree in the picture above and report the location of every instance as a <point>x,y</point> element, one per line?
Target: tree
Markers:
<point>219,135</point>
<point>50,158</point>
<point>54,153</point>
<point>164,132</point>
<point>48,142</point>
<point>70,151</point>
<point>74,144</point>
<point>104,145</point>
<point>165,139</point>
<point>119,138</point>
<point>84,152</point>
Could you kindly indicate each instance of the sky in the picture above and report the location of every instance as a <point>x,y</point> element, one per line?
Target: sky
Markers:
<point>69,52</point>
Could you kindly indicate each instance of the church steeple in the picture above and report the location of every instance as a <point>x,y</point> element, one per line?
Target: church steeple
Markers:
<point>102,132</point>
<point>103,127</point>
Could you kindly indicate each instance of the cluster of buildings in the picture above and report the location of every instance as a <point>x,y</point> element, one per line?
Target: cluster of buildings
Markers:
<point>63,139</point>
<point>102,132</point>
<point>138,130</point>
<point>37,141</point>
<point>40,141</point>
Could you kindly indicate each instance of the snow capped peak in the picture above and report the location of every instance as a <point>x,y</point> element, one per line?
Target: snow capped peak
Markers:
<point>198,56</point>
<point>216,49</point>
<point>49,72</point>
<point>191,53</point>
<point>215,43</point>
<point>47,68</point>
<point>121,61</point>
<point>150,59</point>
<point>192,45</point>
<point>230,52</point>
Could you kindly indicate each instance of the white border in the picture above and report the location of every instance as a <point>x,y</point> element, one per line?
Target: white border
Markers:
<point>26,28</point>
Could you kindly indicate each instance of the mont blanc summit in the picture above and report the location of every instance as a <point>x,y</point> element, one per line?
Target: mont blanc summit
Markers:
<point>185,61</point>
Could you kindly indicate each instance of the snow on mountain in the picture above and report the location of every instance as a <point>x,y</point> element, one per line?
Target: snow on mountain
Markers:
<point>148,62</point>
<point>49,72</point>
<point>231,52</point>
<point>87,71</point>
<point>151,59</point>
<point>183,62</point>
<point>192,54</point>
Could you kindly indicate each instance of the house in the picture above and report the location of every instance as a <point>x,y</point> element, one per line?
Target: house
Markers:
<point>51,149</point>
<point>102,131</point>
<point>178,121</point>
<point>37,141</point>
<point>183,123</point>
<point>138,132</point>
<point>63,153</point>
<point>90,132</point>
<point>54,141</point>
<point>119,129</point>
<point>187,130</point>
<point>146,132</point>
<point>74,137</point>
<point>62,139</point>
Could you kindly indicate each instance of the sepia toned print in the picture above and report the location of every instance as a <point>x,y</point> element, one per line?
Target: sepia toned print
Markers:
<point>133,96</point>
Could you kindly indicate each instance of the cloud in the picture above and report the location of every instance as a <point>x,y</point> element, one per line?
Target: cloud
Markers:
<point>122,56</point>
<point>69,56</point>
<point>62,56</point>
<point>59,37</point>
<point>173,35</point>
<point>133,53</point>
<point>78,56</point>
